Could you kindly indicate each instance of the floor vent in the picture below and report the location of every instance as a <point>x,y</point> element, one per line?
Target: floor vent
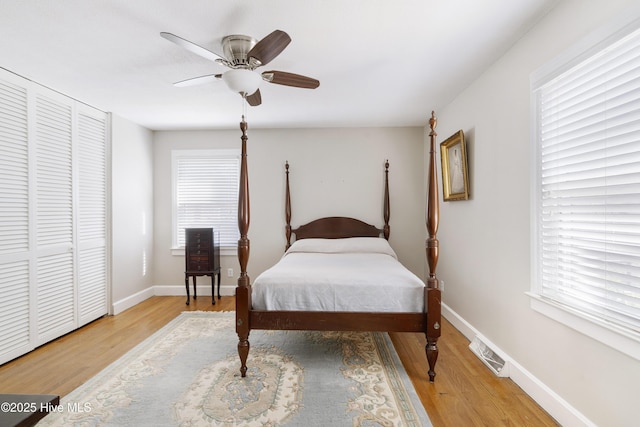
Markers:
<point>481,348</point>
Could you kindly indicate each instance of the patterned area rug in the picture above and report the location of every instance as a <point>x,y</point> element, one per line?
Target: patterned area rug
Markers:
<point>187,374</point>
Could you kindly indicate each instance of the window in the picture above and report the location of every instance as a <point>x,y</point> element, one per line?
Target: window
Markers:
<point>205,193</point>
<point>587,194</point>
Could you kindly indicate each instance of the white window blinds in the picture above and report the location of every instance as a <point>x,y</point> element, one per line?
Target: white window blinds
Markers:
<point>588,187</point>
<point>206,193</point>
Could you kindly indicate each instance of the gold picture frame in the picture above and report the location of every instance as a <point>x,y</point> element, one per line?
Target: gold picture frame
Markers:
<point>455,178</point>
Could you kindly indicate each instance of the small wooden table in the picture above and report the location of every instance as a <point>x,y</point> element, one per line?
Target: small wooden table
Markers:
<point>24,410</point>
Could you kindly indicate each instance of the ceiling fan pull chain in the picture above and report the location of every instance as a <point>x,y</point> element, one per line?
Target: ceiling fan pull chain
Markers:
<point>244,105</point>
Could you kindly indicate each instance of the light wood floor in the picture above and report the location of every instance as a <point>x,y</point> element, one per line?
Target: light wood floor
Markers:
<point>465,392</point>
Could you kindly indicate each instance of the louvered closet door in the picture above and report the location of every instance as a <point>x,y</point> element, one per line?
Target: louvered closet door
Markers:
<point>92,214</point>
<point>14,220</point>
<point>55,280</point>
<point>53,215</point>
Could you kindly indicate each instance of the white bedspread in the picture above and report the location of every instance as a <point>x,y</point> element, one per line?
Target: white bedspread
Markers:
<point>355,274</point>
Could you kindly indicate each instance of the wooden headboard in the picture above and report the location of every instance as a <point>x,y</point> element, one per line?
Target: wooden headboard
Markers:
<point>337,227</point>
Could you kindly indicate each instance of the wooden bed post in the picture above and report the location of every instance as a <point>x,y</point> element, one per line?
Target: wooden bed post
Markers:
<point>287,206</point>
<point>243,290</point>
<point>432,297</point>
<point>387,206</point>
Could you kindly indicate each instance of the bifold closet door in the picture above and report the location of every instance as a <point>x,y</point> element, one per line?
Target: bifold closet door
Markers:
<point>54,269</point>
<point>53,215</point>
<point>92,128</point>
<point>15,303</point>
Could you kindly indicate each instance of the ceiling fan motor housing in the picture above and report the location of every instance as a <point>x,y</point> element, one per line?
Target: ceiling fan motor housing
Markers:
<point>235,49</point>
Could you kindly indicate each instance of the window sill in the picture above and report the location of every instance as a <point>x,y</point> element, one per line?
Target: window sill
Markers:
<point>225,251</point>
<point>615,337</point>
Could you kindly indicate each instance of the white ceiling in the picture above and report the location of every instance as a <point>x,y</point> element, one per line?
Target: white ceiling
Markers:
<point>379,62</point>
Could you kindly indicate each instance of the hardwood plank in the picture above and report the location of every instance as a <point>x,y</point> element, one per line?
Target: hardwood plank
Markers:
<point>465,392</point>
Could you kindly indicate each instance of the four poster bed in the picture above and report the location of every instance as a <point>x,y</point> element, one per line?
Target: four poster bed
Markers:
<point>339,275</point>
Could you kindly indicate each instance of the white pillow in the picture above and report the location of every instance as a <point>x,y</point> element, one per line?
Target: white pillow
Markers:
<point>348,245</point>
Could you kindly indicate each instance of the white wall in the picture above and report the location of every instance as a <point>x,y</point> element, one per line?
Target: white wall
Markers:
<point>132,213</point>
<point>332,172</point>
<point>485,242</point>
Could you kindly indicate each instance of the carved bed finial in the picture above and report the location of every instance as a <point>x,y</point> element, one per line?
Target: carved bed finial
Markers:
<point>433,122</point>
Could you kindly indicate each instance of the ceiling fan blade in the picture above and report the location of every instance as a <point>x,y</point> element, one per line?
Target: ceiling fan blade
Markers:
<point>192,47</point>
<point>290,79</point>
<point>198,80</point>
<point>254,99</point>
<point>269,47</point>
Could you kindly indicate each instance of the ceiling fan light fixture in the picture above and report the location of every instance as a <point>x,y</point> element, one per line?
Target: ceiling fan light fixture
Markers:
<point>244,82</point>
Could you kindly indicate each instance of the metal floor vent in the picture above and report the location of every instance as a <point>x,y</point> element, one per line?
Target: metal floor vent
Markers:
<point>489,357</point>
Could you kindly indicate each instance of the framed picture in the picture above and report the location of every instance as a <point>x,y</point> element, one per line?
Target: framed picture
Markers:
<point>455,179</point>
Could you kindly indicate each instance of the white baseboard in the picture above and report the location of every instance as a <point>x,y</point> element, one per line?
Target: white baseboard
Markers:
<point>173,290</point>
<point>130,301</point>
<point>550,401</point>
<point>204,290</point>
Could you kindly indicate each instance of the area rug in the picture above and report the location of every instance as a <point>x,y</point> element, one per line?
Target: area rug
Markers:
<point>187,374</point>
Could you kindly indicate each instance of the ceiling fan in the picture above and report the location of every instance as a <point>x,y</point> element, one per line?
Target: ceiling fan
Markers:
<point>243,54</point>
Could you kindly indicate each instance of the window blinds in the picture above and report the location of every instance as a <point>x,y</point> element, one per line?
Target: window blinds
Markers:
<point>588,209</point>
<point>207,193</point>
